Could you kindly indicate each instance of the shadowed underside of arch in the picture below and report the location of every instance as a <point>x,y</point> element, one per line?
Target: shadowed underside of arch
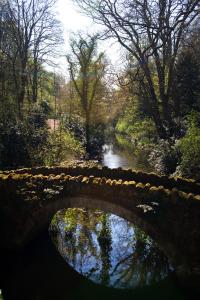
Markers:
<point>167,208</point>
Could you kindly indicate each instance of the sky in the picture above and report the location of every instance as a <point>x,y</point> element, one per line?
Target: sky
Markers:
<point>73,20</point>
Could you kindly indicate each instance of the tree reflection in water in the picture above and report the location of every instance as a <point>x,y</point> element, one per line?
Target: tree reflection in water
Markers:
<point>108,249</point>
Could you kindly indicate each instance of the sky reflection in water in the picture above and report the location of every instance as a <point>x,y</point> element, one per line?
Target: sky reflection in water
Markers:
<point>108,249</point>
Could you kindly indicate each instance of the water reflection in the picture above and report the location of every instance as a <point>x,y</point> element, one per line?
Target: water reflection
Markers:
<point>111,159</point>
<point>108,249</point>
<point>120,153</point>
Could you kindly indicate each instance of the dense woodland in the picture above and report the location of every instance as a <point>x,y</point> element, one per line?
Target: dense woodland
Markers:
<point>153,102</point>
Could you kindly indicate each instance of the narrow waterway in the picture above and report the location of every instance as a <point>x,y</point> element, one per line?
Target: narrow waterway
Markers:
<point>119,152</point>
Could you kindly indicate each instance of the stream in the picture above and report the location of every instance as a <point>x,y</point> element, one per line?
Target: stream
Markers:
<point>119,152</point>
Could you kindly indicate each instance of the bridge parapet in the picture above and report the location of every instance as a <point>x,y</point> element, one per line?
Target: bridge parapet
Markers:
<point>30,197</point>
<point>182,184</point>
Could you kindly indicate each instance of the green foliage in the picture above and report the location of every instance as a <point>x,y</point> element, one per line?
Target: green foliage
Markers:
<point>126,121</point>
<point>123,142</point>
<point>179,157</point>
<point>13,150</point>
<point>39,114</point>
<point>70,217</point>
<point>140,131</point>
<point>75,125</point>
<point>164,156</point>
<point>62,145</point>
<point>23,143</point>
<point>87,69</point>
<point>193,119</point>
<point>96,140</point>
<point>30,143</point>
<point>187,82</point>
<point>189,147</point>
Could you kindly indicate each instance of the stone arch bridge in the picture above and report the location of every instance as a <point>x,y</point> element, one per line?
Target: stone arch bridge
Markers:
<point>167,208</point>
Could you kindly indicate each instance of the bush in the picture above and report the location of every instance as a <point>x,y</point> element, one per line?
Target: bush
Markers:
<point>22,144</point>
<point>190,149</point>
<point>165,156</point>
<point>97,140</point>
<point>179,157</point>
<point>75,125</point>
<point>61,146</point>
<point>13,145</point>
<point>139,131</point>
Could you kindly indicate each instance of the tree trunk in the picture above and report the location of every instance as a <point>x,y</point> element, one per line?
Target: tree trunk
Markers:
<point>87,133</point>
<point>159,125</point>
<point>22,88</point>
<point>21,95</point>
<point>35,82</point>
<point>156,115</point>
<point>154,104</point>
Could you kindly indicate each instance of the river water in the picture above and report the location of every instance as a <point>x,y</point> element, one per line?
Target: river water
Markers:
<point>108,249</point>
<point>119,152</point>
<point>113,157</point>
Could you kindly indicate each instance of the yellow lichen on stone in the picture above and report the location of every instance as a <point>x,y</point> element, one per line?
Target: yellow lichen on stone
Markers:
<point>197,197</point>
<point>126,183</point>
<point>109,181</point>
<point>148,185</point>
<point>72,178</point>
<point>40,176</point>
<point>140,185</point>
<point>119,182</point>
<point>15,177</point>
<point>4,177</point>
<point>153,189</point>
<point>167,192</point>
<point>132,183</point>
<point>85,180</point>
<point>103,180</point>
<point>113,182</point>
<point>191,196</point>
<point>182,194</point>
<point>97,180</point>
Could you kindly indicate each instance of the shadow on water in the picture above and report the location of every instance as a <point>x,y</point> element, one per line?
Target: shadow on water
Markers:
<point>108,249</point>
<point>40,273</point>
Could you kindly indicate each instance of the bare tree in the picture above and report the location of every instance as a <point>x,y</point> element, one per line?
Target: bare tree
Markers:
<point>47,38</point>
<point>86,69</point>
<point>34,32</point>
<point>151,31</point>
<point>8,55</point>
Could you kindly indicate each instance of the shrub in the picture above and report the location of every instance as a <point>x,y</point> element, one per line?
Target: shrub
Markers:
<point>13,145</point>
<point>189,147</point>
<point>22,143</point>
<point>164,157</point>
<point>61,146</point>
<point>139,131</point>
<point>75,125</point>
